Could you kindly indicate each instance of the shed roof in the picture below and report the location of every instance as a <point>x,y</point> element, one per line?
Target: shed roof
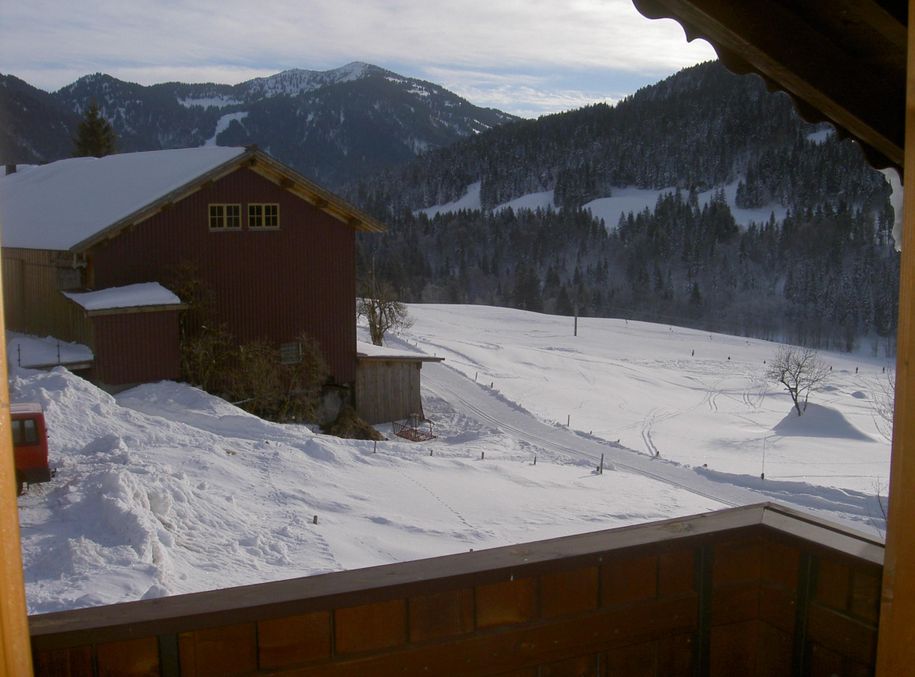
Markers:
<point>129,296</point>
<point>369,351</point>
<point>72,204</point>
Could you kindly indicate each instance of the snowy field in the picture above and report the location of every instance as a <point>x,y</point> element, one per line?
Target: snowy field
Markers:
<point>623,201</point>
<point>164,489</point>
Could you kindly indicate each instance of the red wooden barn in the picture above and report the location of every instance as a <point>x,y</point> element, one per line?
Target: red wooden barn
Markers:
<point>276,251</point>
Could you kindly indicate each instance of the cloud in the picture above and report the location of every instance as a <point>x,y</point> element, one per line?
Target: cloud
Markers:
<point>526,95</point>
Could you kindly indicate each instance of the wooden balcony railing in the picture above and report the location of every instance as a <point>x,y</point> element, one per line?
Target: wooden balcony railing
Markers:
<point>759,590</point>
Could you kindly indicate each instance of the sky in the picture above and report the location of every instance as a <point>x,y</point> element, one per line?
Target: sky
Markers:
<point>527,57</point>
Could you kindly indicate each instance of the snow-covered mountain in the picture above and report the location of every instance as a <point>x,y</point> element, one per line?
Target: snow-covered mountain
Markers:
<point>333,126</point>
<point>300,81</point>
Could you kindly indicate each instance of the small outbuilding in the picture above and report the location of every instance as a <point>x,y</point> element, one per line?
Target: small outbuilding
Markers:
<point>133,331</point>
<point>388,383</point>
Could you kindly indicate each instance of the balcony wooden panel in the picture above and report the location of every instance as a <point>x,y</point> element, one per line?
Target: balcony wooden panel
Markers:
<point>129,658</point>
<point>227,651</point>
<point>842,634</point>
<point>581,666</point>
<point>629,580</point>
<point>283,642</point>
<point>734,649</point>
<point>440,615</point>
<point>568,592</point>
<point>780,564</point>
<point>759,591</point>
<point>676,572</point>
<point>370,627</point>
<point>506,603</point>
<point>70,662</point>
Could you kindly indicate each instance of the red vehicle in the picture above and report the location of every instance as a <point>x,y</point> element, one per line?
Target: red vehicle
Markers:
<point>30,445</point>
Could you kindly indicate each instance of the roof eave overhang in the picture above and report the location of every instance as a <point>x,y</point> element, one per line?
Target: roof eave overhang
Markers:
<point>848,69</point>
<point>362,357</point>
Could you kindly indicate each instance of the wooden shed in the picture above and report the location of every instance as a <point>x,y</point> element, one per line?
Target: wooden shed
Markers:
<point>133,332</point>
<point>274,252</point>
<point>388,383</point>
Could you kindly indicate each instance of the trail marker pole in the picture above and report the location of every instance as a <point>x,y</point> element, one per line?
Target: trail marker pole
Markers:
<point>601,467</point>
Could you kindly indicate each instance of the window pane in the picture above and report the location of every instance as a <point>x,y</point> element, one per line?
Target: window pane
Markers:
<point>30,430</point>
<point>217,216</point>
<point>255,215</point>
<point>17,433</point>
<point>272,215</point>
<point>233,216</point>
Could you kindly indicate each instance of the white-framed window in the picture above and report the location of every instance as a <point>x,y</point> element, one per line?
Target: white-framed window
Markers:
<point>263,215</point>
<point>225,216</point>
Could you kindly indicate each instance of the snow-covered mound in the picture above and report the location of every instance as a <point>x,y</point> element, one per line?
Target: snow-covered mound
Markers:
<point>165,489</point>
<point>819,421</point>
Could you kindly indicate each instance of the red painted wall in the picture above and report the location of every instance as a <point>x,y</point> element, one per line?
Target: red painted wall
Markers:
<point>272,284</point>
<point>136,347</point>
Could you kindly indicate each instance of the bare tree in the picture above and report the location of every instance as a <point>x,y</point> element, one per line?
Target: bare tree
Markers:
<point>381,308</point>
<point>800,370</point>
<point>884,404</point>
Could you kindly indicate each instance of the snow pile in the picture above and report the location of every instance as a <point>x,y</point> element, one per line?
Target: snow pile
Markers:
<point>165,490</point>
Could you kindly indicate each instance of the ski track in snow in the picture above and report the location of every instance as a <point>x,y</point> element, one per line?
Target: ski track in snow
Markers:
<point>479,403</point>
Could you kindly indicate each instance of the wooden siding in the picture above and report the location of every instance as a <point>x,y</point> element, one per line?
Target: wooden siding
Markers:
<point>268,284</point>
<point>715,594</point>
<point>388,390</point>
<point>136,347</point>
<point>31,295</point>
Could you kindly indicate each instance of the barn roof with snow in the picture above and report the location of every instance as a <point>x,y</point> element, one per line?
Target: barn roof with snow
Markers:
<point>72,204</point>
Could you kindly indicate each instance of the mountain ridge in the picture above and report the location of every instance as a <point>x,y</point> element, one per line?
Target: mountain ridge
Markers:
<point>332,126</point>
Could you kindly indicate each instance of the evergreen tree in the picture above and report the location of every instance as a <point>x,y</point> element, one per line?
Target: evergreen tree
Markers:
<point>95,136</point>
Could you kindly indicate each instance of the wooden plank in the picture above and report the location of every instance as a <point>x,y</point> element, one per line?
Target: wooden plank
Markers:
<point>523,646</point>
<point>896,650</point>
<point>15,651</point>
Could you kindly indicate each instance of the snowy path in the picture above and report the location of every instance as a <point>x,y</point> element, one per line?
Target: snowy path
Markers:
<point>480,403</point>
<point>487,407</point>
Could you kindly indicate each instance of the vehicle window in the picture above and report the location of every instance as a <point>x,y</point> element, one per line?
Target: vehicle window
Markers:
<point>25,431</point>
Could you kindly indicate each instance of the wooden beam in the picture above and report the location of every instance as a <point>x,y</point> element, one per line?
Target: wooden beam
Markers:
<point>896,648</point>
<point>15,647</point>
<point>813,59</point>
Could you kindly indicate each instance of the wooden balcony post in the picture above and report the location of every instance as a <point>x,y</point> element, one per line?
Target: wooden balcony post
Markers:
<point>896,643</point>
<point>15,647</point>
